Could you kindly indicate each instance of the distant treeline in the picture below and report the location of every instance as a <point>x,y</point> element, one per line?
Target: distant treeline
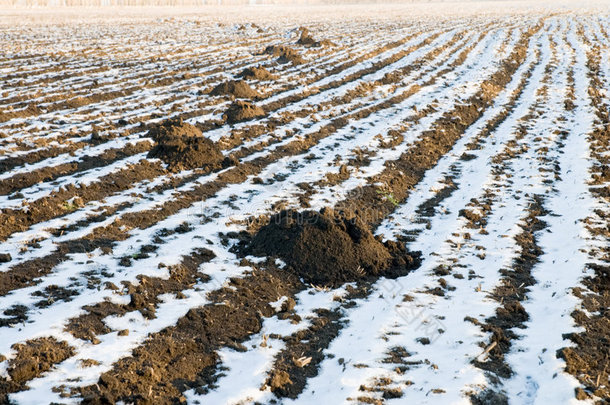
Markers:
<point>152,3</point>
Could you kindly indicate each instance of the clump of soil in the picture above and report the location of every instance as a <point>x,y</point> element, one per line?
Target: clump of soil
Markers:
<point>31,360</point>
<point>330,248</point>
<point>182,146</point>
<point>37,356</point>
<point>242,111</point>
<point>236,89</point>
<point>256,73</point>
<point>285,54</point>
<point>307,40</point>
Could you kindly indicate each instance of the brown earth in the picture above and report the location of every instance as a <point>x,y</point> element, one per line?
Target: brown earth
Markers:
<point>329,248</point>
<point>589,359</point>
<point>183,147</point>
<point>50,173</point>
<point>242,111</point>
<point>235,89</point>
<point>32,157</point>
<point>300,359</point>
<point>149,217</point>
<point>289,376</point>
<point>335,124</point>
<point>149,377</point>
<point>307,40</point>
<point>144,296</point>
<point>286,386</point>
<point>29,110</point>
<point>26,273</point>
<point>184,356</point>
<point>257,73</point>
<point>54,205</point>
<point>33,358</point>
<point>341,124</point>
<point>400,176</point>
<point>354,76</point>
<point>285,54</point>
<point>516,282</point>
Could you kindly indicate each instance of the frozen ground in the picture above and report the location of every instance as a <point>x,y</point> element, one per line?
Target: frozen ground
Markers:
<point>477,134</point>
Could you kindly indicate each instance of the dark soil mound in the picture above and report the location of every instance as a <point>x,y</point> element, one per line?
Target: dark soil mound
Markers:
<point>182,146</point>
<point>256,73</point>
<point>235,88</point>
<point>242,111</point>
<point>307,40</point>
<point>329,249</point>
<point>285,54</point>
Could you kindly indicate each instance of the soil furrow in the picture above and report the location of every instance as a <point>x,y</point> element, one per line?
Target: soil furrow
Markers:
<point>107,389</point>
<point>401,175</point>
<point>280,103</point>
<point>589,359</point>
<point>144,219</point>
<point>372,180</point>
<point>389,390</point>
<point>49,174</point>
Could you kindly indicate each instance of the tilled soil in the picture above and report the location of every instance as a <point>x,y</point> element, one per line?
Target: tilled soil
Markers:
<point>195,220</point>
<point>184,356</point>
<point>32,358</point>
<point>589,359</point>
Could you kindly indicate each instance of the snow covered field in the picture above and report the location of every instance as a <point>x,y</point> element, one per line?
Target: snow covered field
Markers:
<point>480,139</point>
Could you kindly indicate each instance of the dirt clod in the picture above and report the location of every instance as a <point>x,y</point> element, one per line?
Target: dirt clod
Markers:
<point>306,39</point>
<point>329,248</point>
<point>236,89</point>
<point>256,73</point>
<point>182,146</point>
<point>285,54</point>
<point>242,111</point>
<point>5,257</point>
<point>32,358</point>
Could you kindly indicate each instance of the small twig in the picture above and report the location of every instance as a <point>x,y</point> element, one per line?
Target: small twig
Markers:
<point>486,351</point>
